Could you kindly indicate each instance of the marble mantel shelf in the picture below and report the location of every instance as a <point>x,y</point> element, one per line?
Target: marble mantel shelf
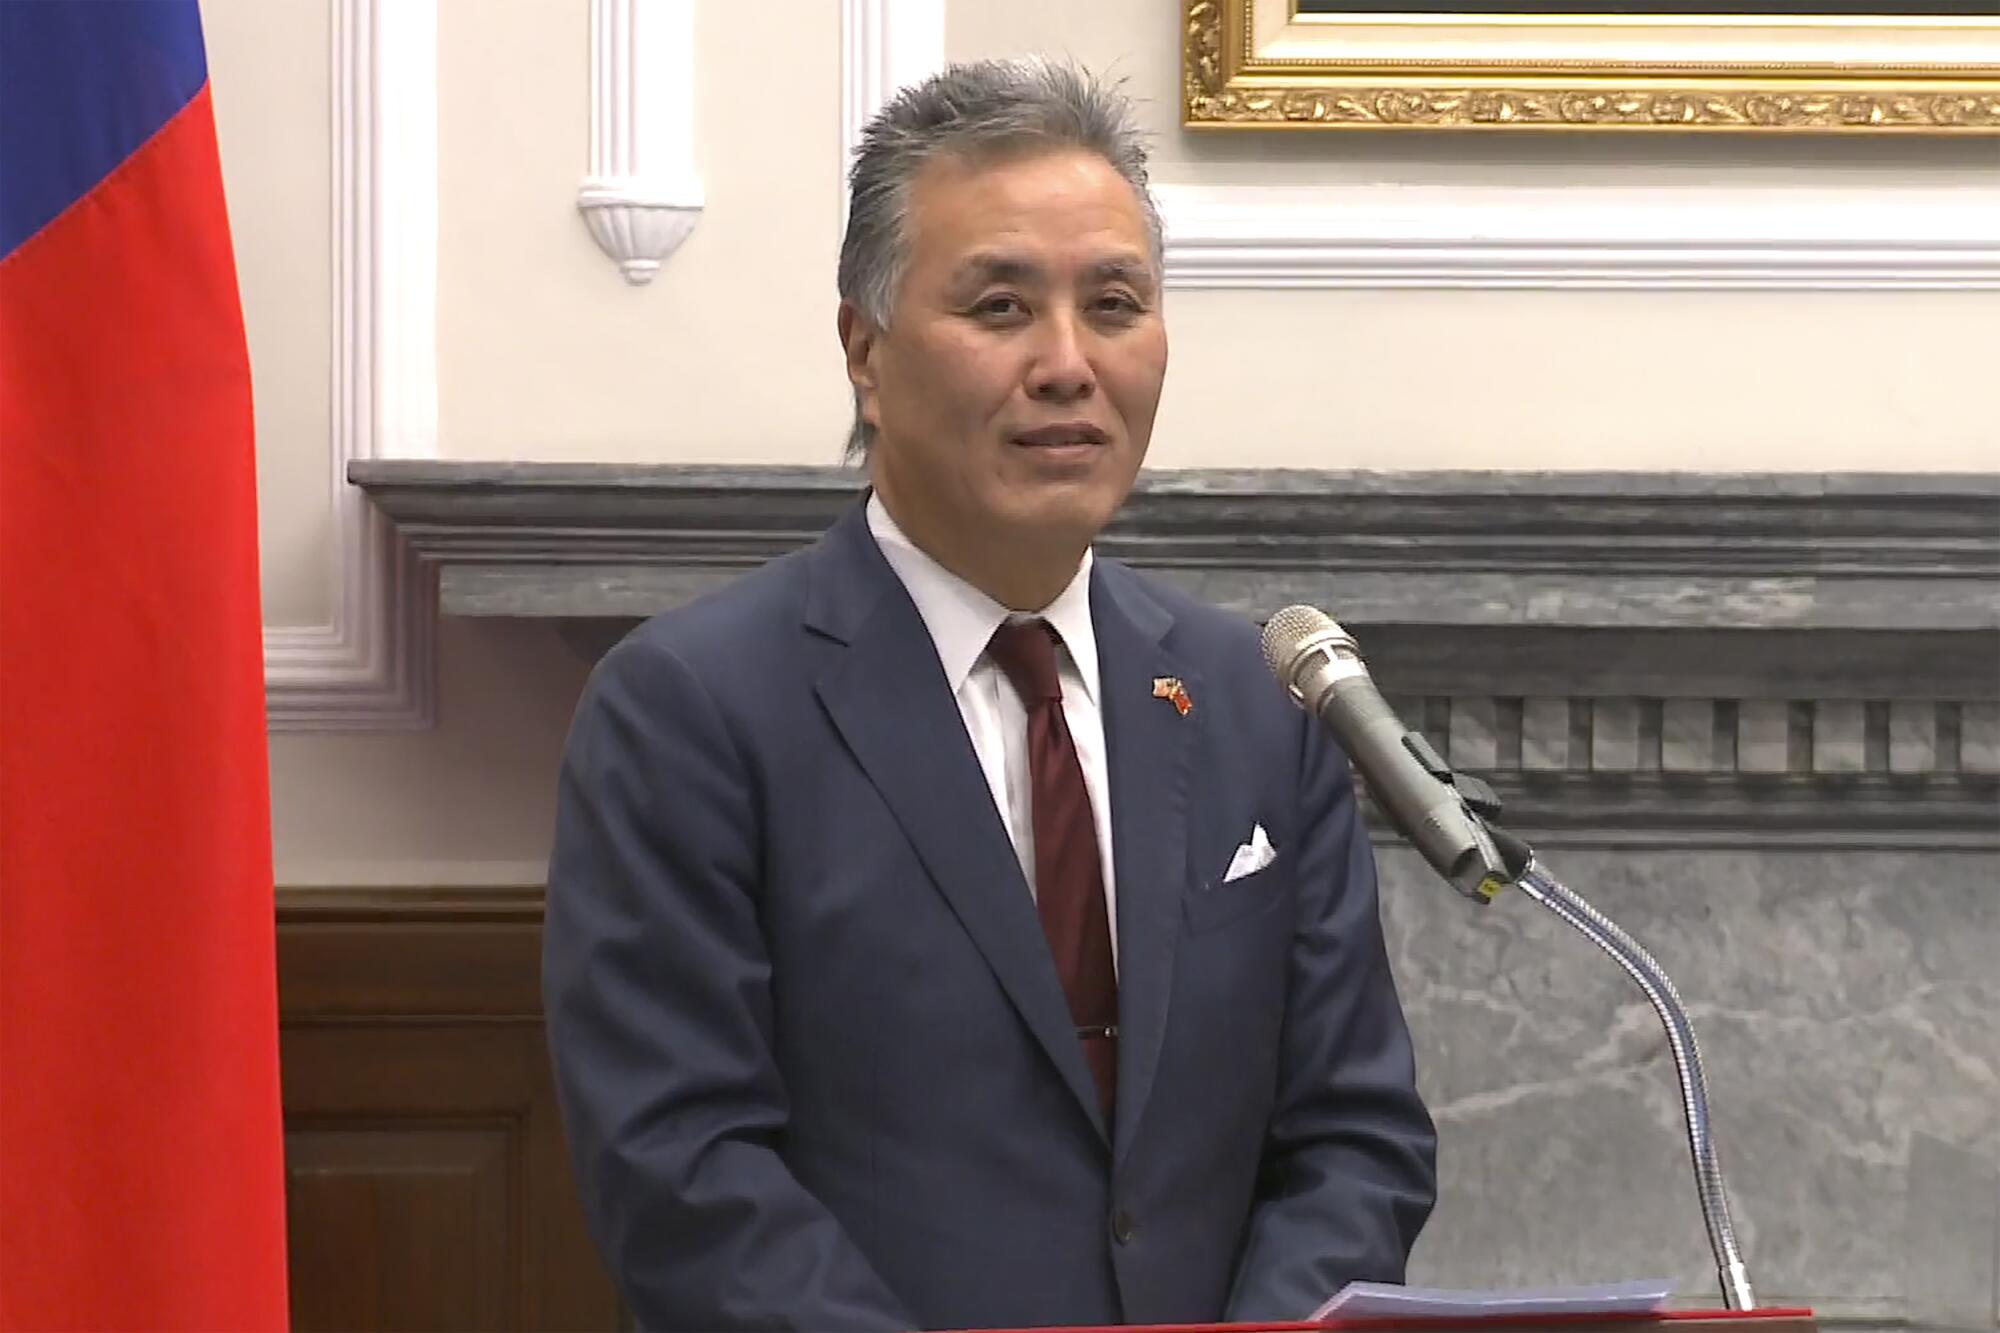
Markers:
<point>1687,657</point>
<point>1580,550</point>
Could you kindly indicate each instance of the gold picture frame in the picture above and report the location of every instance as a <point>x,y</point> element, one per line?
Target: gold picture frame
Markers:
<point>1264,64</point>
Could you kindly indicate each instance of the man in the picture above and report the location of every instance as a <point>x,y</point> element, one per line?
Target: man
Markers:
<point>947,928</point>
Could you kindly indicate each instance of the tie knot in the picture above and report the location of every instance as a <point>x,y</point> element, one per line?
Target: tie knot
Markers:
<point>1026,651</point>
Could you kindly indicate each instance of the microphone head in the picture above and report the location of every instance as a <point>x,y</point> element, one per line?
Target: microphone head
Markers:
<point>1286,632</point>
<point>1307,651</point>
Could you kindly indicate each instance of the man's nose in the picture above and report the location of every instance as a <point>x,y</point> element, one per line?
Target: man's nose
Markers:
<point>1061,371</point>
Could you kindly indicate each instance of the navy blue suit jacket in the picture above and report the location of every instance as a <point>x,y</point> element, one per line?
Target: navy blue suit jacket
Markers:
<point>814,1062</point>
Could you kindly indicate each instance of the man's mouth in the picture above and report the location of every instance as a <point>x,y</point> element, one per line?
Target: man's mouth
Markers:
<point>1061,435</point>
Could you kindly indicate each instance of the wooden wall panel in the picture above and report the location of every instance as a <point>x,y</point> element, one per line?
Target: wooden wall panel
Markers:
<point>402,1227</point>
<point>428,1188</point>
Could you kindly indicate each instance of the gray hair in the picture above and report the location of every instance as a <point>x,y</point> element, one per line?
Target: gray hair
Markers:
<point>978,111</point>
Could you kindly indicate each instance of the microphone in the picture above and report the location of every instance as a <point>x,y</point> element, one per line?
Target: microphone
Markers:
<point>1440,812</point>
<point>1448,818</point>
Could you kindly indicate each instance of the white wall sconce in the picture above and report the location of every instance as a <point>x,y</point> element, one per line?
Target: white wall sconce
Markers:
<point>642,197</point>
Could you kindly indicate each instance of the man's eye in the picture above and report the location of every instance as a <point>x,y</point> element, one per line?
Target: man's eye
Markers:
<point>1118,303</point>
<point>999,306</point>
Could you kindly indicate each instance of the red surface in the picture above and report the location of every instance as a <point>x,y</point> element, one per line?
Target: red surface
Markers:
<point>1488,1321</point>
<point>141,1150</point>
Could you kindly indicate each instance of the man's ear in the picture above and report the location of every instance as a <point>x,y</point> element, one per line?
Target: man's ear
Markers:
<point>859,337</point>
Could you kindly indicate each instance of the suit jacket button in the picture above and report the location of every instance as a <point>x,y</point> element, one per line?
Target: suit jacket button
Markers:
<point>1123,1228</point>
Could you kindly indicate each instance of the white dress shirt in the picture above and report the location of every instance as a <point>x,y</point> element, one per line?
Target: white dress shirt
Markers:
<point>961,620</point>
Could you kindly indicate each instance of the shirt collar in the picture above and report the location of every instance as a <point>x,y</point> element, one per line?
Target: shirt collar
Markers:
<point>961,619</point>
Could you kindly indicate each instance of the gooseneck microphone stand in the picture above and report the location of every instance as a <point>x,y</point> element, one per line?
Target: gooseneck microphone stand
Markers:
<point>1640,965</point>
<point>1497,859</point>
<point>1525,871</point>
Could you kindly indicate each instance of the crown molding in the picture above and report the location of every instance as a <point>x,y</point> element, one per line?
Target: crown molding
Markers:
<point>1583,238</point>
<point>1506,237</point>
<point>370,665</point>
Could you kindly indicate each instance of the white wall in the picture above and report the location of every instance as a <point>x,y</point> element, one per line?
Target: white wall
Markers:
<point>730,354</point>
<point>545,353</point>
<point>268,68</point>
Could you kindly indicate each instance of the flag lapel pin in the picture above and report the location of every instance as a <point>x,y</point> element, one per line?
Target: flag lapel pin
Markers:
<point>1171,689</point>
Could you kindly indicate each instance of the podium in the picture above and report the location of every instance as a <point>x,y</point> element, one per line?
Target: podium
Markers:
<point>1771,1320</point>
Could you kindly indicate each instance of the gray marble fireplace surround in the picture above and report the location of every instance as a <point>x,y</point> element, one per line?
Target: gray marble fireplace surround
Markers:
<point>1755,718</point>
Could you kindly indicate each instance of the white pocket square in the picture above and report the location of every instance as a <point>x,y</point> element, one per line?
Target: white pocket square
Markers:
<point>1251,857</point>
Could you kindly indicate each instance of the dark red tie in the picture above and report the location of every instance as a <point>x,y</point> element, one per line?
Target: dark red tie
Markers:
<point>1069,874</point>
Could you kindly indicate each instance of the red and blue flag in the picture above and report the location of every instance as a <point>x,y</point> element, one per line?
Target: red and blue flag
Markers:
<point>141,1141</point>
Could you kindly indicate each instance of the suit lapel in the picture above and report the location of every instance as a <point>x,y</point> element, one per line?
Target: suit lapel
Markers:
<point>888,697</point>
<point>1149,742</point>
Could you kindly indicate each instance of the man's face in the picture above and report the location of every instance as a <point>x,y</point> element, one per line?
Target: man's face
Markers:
<point>1013,393</point>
